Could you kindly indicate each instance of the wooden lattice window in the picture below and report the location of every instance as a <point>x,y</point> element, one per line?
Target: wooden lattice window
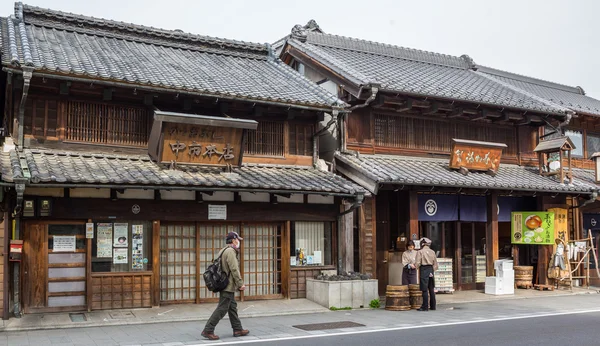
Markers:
<point>301,142</point>
<point>436,135</point>
<point>106,124</point>
<point>262,260</point>
<point>212,240</point>
<point>178,263</point>
<point>266,140</point>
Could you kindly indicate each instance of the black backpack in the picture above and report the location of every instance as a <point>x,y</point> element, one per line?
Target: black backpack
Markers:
<point>216,280</point>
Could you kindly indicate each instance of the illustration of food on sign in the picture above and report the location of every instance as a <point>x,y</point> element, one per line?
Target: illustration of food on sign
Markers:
<point>534,223</point>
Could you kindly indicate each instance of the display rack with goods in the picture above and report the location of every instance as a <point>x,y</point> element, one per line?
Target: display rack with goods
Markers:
<point>481,268</point>
<point>443,276</point>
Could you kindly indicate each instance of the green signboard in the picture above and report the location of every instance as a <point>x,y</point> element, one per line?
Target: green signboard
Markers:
<point>532,227</point>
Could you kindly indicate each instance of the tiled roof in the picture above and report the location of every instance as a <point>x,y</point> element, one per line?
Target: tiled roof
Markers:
<point>10,168</point>
<point>55,167</point>
<point>566,96</point>
<point>383,169</point>
<point>55,42</point>
<point>415,72</point>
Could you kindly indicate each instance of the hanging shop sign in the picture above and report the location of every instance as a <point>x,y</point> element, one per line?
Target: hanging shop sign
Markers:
<point>535,228</point>
<point>560,224</point>
<point>217,211</point>
<point>196,139</point>
<point>476,155</point>
<point>438,207</point>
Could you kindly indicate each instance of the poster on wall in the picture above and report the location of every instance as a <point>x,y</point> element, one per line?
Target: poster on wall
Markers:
<point>535,228</point>
<point>104,240</point>
<point>89,230</point>
<point>63,243</point>
<point>120,256</point>
<point>120,235</point>
<point>137,247</point>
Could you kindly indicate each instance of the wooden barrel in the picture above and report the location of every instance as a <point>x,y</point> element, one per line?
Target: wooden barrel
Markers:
<point>523,276</point>
<point>416,296</point>
<point>397,298</point>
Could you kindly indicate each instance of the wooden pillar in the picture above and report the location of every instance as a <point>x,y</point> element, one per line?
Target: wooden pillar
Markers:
<point>347,240</point>
<point>543,250</point>
<point>88,269</point>
<point>285,260</point>
<point>491,234</point>
<point>156,263</point>
<point>413,215</point>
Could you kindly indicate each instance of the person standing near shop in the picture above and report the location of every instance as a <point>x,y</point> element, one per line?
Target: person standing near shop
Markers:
<point>409,271</point>
<point>231,266</point>
<point>426,261</point>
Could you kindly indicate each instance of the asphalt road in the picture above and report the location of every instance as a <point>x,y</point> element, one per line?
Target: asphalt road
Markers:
<point>578,329</point>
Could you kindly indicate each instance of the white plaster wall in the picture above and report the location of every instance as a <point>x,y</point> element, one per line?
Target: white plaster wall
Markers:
<point>89,193</point>
<point>254,197</point>
<point>294,198</point>
<point>180,195</point>
<point>318,199</point>
<point>45,192</point>
<point>225,196</point>
<point>136,194</point>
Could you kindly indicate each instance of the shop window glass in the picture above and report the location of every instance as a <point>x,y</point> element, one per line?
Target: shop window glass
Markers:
<point>593,144</point>
<point>311,243</point>
<point>123,246</point>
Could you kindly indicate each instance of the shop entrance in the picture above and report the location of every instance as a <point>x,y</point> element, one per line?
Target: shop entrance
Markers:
<point>186,249</point>
<point>54,267</point>
<point>464,242</point>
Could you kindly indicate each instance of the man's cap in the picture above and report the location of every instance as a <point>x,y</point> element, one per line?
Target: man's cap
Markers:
<point>425,241</point>
<point>233,235</point>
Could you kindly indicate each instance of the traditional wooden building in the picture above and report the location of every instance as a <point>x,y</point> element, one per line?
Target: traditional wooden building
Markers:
<point>448,149</point>
<point>130,152</point>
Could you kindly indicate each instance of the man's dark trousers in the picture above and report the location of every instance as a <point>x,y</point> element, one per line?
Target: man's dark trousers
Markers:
<point>227,304</point>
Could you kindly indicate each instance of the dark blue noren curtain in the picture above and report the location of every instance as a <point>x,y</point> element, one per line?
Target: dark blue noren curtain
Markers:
<point>507,204</point>
<point>438,207</point>
<point>473,208</point>
<point>591,221</point>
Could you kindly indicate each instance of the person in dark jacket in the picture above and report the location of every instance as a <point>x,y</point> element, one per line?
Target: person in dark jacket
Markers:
<point>227,304</point>
<point>426,261</point>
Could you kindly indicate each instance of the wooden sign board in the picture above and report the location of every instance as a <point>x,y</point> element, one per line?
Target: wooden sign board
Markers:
<point>475,155</point>
<point>201,144</point>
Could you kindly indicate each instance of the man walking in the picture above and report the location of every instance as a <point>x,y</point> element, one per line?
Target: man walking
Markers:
<point>227,304</point>
<point>426,261</point>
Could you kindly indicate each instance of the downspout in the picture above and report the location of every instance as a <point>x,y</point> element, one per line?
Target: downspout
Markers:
<point>20,188</point>
<point>27,74</point>
<point>343,118</point>
<point>334,118</point>
<point>357,203</point>
<point>590,200</point>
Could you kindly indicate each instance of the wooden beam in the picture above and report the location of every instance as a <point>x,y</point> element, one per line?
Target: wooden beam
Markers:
<point>491,236</point>
<point>482,115</point>
<point>156,263</point>
<point>526,121</point>
<point>457,112</point>
<point>433,108</point>
<point>408,104</point>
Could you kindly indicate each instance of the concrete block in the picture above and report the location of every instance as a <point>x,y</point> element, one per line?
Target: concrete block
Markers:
<point>334,294</point>
<point>346,293</point>
<point>358,289</point>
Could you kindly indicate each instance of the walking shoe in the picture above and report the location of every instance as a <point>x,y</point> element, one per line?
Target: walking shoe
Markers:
<point>421,309</point>
<point>241,332</point>
<point>209,336</point>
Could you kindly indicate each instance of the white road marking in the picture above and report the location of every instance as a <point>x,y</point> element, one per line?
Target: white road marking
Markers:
<point>166,312</point>
<point>520,317</point>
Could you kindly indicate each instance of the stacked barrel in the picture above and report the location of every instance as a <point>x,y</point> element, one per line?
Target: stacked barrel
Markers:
<point>403,298</point>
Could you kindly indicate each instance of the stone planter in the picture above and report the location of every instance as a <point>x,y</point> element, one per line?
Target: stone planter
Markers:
<point>342,294</point>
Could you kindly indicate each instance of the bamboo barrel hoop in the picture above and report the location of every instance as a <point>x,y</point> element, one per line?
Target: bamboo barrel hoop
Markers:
<point>524,276</point>
<point>397,298</point>
<point>416,296</point>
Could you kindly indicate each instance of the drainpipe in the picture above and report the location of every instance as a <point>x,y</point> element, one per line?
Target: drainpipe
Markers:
<point>341,216</point>
<point>27,74</point>
<point>590,200</point>
<point>20,188</point>
<point>334,118</point>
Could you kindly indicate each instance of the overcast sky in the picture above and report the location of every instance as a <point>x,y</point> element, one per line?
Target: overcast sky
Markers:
<point>548,39</point>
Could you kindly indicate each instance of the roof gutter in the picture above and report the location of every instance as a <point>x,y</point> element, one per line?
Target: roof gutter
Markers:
<point>491,188</point>
<point>163,90</point>
<point>27,75</point>
<point>188,188</point>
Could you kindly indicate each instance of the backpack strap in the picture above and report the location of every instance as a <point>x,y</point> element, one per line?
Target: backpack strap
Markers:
<point>221,255</point>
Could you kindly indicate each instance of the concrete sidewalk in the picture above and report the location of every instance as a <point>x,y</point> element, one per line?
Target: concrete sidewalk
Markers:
<point>264,308</point>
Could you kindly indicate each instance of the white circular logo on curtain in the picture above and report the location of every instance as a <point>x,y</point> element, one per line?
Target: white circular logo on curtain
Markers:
<point>498,208</point>
<point>430,207</point>
<point>593,222</point>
